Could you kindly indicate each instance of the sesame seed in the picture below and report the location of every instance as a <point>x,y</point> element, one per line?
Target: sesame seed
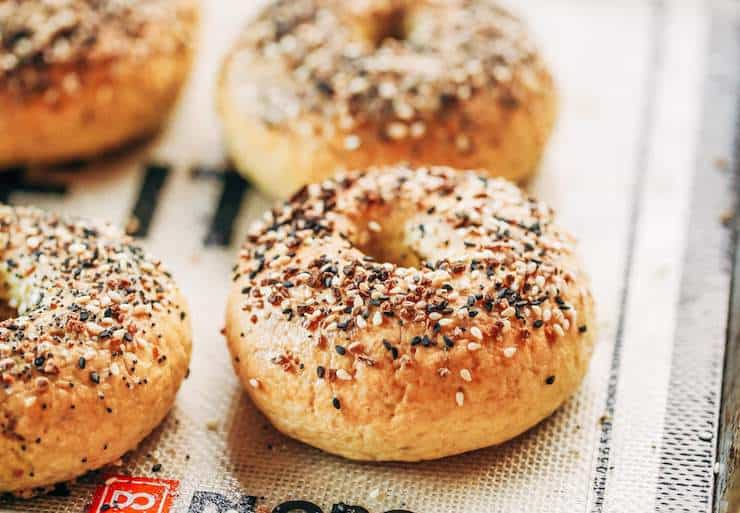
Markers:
<point>466,375</point>
<point>460,399</point>
<point>344,375</point>
<point>476,332</point>
<point>351,142</point>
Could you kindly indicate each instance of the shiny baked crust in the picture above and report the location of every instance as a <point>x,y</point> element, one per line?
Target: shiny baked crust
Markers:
<point>81,77</point>
<point>97,349</point>
<point>409,314</point>
<point>313,85</point>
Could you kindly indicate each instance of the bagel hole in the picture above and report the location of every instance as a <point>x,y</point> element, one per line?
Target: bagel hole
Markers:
<point>7,311</point>
<point>390,25</point>
<point>384,240</point>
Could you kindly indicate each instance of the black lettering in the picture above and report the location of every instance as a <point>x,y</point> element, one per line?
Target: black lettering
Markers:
<point>234,188</point>
<point>146,203</point>
<point>201,500</point>
<point>296,506</point>
<point>345,508</point>
<point>15,180</point>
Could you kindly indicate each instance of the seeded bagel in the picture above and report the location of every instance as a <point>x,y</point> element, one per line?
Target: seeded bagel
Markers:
<point>313,85</point>
<point>94,343</point>
<point>81,77</point>
<point>409,314</point>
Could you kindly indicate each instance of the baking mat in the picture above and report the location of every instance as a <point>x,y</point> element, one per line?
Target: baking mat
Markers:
<point>640,168</point>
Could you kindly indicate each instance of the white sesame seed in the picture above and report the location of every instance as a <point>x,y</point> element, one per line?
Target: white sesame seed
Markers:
<point>94,329</point>
<point>397,130</point>
<point>509,351</point>
<point>33,242</point>
<point>460,398</point>
<point>558,330</point>
<point>374,226</point>
<point>360,321</point>
<point>377,319</point>
<point>474,346</point>
<point>466,375</point>
<point>351,142</point>
<point>418,129</point>
<point>344,375</point>
<point>476,332</point>
<point>445,322</point>
<point>254,383</point>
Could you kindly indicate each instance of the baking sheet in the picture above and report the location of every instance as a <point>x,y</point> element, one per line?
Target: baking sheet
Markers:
<point>639,168</point>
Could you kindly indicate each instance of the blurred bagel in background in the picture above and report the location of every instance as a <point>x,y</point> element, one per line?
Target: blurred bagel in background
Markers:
<point>81,77</point>
<point>313,85</point>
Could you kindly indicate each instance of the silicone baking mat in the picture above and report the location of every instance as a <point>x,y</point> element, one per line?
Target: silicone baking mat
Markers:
<point>640,168</point>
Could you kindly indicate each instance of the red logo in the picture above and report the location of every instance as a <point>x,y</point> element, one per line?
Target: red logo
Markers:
<point>125,494</point>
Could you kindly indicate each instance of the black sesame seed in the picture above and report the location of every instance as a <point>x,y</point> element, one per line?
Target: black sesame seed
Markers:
<point>95,378</point>
<point>335,402</point>
<point>448,341</point>
<point>550,380</point>
<point>156,467</point>
<point>39,361</point>
<point>340,349</point>
<point>582,329</point>
<point>320,371</point>
<point>538,323</point>
<point>416,341</point>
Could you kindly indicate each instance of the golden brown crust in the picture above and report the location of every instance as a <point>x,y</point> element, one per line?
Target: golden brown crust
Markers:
<point>80,77</point>
<point>311,87</point>
<point>92,360</point>
<point>470,321</point>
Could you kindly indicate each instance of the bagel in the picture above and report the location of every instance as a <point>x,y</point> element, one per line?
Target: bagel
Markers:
<point>409,314</point>
<point>313,85</point>
<point>93,353</point>
<point>81,77</point>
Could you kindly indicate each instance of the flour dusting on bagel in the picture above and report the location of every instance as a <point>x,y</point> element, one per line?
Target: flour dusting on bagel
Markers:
<point>453,285</point>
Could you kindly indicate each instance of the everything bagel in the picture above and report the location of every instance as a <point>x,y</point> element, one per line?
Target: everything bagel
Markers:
<point>313,85</point>
<point>409,314</point>
<point>81,77</point>
<point>94,343</point>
